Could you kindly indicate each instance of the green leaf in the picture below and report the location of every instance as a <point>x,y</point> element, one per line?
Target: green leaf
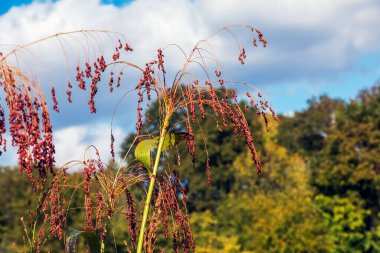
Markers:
<point>90,237</point>
<point>144,148</point>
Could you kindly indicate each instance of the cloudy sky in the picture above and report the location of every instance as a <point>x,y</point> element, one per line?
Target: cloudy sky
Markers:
<point>315,47</point>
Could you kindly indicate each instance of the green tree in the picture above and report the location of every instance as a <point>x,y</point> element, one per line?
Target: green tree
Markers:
<point>271,213</point>
<point>344,220</point>
<point>350,158</point>
<point>305,132</point>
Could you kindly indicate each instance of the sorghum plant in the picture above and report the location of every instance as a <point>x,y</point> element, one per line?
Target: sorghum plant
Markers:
<point>106,189</point>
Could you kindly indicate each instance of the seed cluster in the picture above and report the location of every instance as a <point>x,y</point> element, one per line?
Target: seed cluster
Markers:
<point>168,207</point>
<point>193,98</point>
<point>3,141</point>
<point>131,217</point>
<point>56,205</point>
<point>29,125</point>
<point>93,73</point>
<point>29,119</point>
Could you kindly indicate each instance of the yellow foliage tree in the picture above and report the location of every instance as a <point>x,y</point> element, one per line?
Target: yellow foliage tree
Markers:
<point>271,213</point>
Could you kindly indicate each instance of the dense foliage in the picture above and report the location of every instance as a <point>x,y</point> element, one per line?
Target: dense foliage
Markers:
<point>319,191</point>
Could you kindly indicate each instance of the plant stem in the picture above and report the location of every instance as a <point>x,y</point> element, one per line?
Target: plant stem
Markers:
<point>102,246</point>
<point>151,185</point>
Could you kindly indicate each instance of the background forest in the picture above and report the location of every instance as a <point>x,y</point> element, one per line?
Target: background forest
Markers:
<point>319,191</point>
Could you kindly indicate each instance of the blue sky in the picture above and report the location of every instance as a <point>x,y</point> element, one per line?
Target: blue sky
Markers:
<point>315,47</point>
<point>6,5</point>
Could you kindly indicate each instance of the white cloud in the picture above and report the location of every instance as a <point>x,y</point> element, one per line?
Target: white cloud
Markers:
<point>71,142</point>
<point>289,114</point>
<point>305,34</point>
<point>308,39</point>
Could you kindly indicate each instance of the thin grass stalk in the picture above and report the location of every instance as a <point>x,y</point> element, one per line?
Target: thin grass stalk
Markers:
<point>151,185</point>
<point>102,246</point>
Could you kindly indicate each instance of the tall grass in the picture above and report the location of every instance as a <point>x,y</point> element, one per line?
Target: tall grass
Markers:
<point>108,189</point>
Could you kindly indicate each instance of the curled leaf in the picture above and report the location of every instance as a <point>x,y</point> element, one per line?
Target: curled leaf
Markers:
<point>144,148</point>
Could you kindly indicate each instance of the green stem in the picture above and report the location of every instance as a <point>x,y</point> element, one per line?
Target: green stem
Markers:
<point>151,185</point>
<point>102,246</point>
